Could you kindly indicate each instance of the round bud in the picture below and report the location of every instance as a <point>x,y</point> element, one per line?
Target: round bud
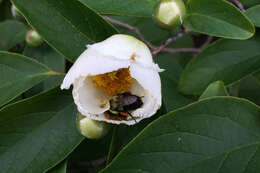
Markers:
<point>91,129</point>
<point>33,38</point>
<point>170,13</point>
<point>15,12</point>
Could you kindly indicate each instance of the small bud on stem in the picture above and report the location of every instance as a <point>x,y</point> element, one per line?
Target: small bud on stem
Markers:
<point>170,13</point>
<point>91,129</point>
<point>33,38</point>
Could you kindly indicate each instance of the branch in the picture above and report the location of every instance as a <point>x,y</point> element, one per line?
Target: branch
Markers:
<point>181,50</point>
<point>155,49</point>
<point>238,4</point>
<point>170,40</point>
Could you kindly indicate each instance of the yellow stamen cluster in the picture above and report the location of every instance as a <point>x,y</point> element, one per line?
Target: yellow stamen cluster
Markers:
<point>114,82</point>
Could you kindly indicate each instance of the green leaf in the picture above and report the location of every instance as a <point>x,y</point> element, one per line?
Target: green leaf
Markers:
<point>18,74</point>
<point>84,19</point>
<point>62,29</point>
<point>37,133</point>
<point>53,27</point>
<point>123,134</point>
<point>140,8</point>
<point>218,18</point>
<point>12,32</point>
<point>225,60</point>
<point>220,134</point>
<point>215,89</point>
<point>254,15</point>
<point>46,55</point>
<point>60,168</point>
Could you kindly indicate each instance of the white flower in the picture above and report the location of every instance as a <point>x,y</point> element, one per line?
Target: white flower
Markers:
<point>118,64</point>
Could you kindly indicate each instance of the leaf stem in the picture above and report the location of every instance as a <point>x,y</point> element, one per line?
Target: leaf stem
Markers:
<point>170,40</point>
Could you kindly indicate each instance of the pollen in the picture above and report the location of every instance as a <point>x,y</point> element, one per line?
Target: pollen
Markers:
<point>114,82</point>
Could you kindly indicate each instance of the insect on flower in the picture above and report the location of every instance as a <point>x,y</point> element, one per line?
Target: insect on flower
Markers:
<point>116,81</point>
<point>121,104</point>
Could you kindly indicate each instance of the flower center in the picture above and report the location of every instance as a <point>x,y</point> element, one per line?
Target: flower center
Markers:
<point>114,82</point>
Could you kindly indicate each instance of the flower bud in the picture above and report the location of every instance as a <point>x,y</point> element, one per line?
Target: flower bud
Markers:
<point>33,38</point>
<point>170,13</point>
<point>91,129</point>
<point>15,12</point>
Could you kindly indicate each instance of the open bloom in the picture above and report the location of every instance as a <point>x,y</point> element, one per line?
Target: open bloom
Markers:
<point>118,65</point>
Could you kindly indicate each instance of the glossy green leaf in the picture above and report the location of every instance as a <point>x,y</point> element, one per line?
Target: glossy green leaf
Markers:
<point>254,15</point>
<point>64,31</point>
<point>123,134</point>
<point>84,19</point>
<point>140,8</point>
<point>225,60</point>
<point>53,27</point>
<point>37,133</point>
<point>18,74</point>
<point>60,168</point>
<point>12,32</point>
<point>220,134</point>
<point>215,89</point>
<point>218,18</point>
<point>46,55</point>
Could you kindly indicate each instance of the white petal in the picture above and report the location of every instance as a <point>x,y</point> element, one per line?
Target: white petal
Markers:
<point>88,98</point>
<point>116,52</point>
<point>124,47</point>
<point>91,62</point>
<point>148,79</point>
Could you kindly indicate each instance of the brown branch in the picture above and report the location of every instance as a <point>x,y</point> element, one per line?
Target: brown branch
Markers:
<point>170,40</point>
<point>156,49</point>
<point>238,4</point>
<point>181,50</point>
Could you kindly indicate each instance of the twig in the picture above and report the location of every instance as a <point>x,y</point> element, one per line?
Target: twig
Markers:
<point>238,4</point>
<point>181,50</point>
<point>155,49</point>
<point>170,40</point>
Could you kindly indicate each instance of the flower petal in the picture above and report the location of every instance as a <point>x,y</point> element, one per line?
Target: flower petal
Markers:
<point>125,47</point>
<point>92,62</point>
<point>88,98</point>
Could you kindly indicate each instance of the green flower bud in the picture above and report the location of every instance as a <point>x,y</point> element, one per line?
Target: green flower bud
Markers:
<point>33,38</point>
<point>15,12</point>
<point>90,128</point>
<point>170,13</point>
